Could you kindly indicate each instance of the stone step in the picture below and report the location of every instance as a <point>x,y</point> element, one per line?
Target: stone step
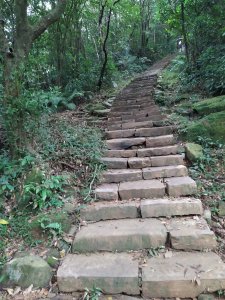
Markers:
<point>115,163</point>
<point>108,192</point>
<point>149,208</point>
<point>120,175</point>
<point>164,172</point>
<point>160,141</point>
<point>141,189</point>
<point>157,151</point>
<point>155,117</point>
<point>101,211</point>
<point>139,162</point>
<point>131,125</point>
<point>120,235</point>
<point>125,143</point>
<point>152,132</point>
<point>167,160</point>
<point>184,275</point>
<point>180,186</point>
<point>169,207</point>
<point>117,134</point>
<point>191,234</point>
<point>121,153</point>
<point>112,273</point>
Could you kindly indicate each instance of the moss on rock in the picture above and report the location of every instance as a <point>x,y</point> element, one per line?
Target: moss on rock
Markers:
<point>211,105</point>
<point>24,271</point>
<point>211,126</point>
<point>193,151</point>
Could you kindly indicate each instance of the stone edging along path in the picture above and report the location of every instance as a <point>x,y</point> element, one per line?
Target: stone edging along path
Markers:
<point>144,202</point>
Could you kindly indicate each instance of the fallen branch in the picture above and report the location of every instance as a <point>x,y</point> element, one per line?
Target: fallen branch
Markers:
<point>93,179</point>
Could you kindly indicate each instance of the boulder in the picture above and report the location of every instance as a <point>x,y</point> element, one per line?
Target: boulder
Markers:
<point>24,271</point>
<point>210,105</point>
<point>193,151</point>
<point>211,126</point>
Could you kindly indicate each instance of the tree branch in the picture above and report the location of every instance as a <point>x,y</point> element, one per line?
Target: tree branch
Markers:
<point>49,19</point>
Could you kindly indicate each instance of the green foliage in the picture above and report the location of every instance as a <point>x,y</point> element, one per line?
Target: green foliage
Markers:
<point>53,228</point>
<point>92,294</point>
<point>21,182</point>
<point>208,172</point>
<point>42,194</point>
<point>20,230</point>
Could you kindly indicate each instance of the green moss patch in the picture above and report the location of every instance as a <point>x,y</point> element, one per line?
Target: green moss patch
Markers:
<point>209,106</point>
<point>211,126</point>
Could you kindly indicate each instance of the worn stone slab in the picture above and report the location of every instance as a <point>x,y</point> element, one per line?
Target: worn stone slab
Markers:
<point>160,141</point>
<point>168,207</point>
<point>164,172</point>
<point>180,186</point>
<point>139,162</point>
<point>107,192</point>
<point>120,235</point>
<point>157,151</point>
<point>109,210</point>
<point>184,275</point>
<point>116,134</point>
<point>114,126</point>
<point>121,153</point>
<point>137,125</point>
<point>120,175</point>
<point>167,160</point>
<point>115,162</point>
<point>155,131</point>
<point>119,144</point>
<point>155,117</point>
<point>191,234</point>
<point>113,273</point>
<point>141,189</point>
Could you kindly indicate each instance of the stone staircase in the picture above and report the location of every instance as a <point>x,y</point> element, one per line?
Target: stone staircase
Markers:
<point>143,203</point>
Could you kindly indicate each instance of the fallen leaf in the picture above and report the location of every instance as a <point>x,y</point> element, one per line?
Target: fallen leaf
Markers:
<point>3,222</point>
<point>17,290</point>
<point>10,291</point>
<point>28,290</point>
<point>62,253</point>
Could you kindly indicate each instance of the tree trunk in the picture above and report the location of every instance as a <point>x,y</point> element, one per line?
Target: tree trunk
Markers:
<point>184,31</point>
<point>13,63</point>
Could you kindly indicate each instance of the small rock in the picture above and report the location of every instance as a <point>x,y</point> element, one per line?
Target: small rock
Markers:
<point>221,209</point>
<point>24,271</point>
<point>193,151</point>
<point>206,297</point>
<point>53,256</point>
<point>208,215</point>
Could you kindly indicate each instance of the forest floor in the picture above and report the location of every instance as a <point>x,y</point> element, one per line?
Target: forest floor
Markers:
<point>24,235</point>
